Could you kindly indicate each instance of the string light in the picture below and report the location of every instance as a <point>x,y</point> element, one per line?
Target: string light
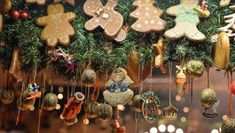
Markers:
<point>153,130</point>
<point>162,128</point>
<point>186,109</point>
<point>60,96</point>
<point>183,119</point>
<point>214,131</point>
<point>171,128</point>
<point>58,107</point>
<point>178,98</point>
<point>179,130</point>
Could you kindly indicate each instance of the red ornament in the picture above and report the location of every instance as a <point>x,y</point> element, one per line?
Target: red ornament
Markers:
<point>15,14</point>
<point>232,87</point>
<point>24,15</point>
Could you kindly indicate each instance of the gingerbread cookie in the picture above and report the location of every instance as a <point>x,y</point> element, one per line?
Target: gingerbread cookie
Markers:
<point>186,21</point>
<point>71,2</point>
<point>105,17</point>
<point>39,2</point>
<point>57,27</point>
<point>148,17</point>
<point>224,3</point>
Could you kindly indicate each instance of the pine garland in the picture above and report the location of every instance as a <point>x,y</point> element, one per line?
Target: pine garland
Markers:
<point>88,45</point>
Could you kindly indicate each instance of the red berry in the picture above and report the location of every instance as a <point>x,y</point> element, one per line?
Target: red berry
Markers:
<point>24,15</point>
<point>15,14</point>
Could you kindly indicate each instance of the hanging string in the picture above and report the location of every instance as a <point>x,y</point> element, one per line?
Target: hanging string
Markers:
<point>151,75</point>
<point>208,78</point>
<point>40,103</point>
<point>170,85</point>
<point>229,74</point>
<point>52,81</point>
<point>191,93</point>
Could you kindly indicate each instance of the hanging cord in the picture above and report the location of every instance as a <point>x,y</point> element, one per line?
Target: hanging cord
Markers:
<point>170,85</point>
<point>191,93</point>
<point>40,101</point>
<point>151,75</point>
<point>52,82</point>
<point>230,80</point>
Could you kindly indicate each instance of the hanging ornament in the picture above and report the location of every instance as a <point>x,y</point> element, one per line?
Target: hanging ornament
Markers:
<point>118,92</point>
<point>228,126</point>
<point>33,91</point>
<point>186,21</point>
<point>15,69</point>
<point>232,87</point>
<point>91,109</point>
<point>73,107</point>
<point>133,68</point>
<point>104,16</point>
<point>209,101</point>
<point>116,128</point>
<point>5,6</point>
<point>71,2</point>
<point>24,15</point>
<point>222,51</point>
<point>24,103</point>
<point>170,112</point>
<point>195,68</point>
<point>105,112</point>
<point>150,107</point>
<point>224,3</point>
<point>50,101</point>
<point>181,80</point>
<point>88,77</point>
<point>57,29</point>
<point>159,48</point>
<point>148,17</point>
<point>7,96</point>
<point>59,53</point>
<point>137,103</point>
<point>202,10</point>
<point>71,121</point>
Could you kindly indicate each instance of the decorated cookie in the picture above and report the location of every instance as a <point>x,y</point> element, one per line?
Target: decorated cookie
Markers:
<point>39,2</point>
<point>148,17</point>
<point>118,92</point>
<point>71,2</point>
<point>186,21</point>
<point>224,3</point>
<point>57,27</point>
<point>105,17</point>
<point>222,51</point>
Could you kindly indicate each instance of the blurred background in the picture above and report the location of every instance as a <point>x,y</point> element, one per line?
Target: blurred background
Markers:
<point>189,118</point>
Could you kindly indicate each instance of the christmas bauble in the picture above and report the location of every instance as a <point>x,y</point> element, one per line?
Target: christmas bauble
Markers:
<point>137,103</point>
<point>24,15</point>
<point>208,98</point>
<point>232,87</point>
<point>7,96</point>
<point>88,78</point>
<point>91,109</point>
<point>50,101</point>
<point>15,14</point>
<point>228,126</point>
<point>195,68</point>
<point>23,103</point>
<point>105,112</point>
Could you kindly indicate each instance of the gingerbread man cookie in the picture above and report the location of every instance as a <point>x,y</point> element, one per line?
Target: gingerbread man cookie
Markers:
<point>71,2</point>
<point>57,27</point>
<point>39,2</point>
<point>186,21</point>
<point>148,17</point>
<point>105,17</point>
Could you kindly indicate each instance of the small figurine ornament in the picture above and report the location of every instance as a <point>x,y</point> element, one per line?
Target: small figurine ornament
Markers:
<point>209,101</point>
<point>202,10</point>
<point>57,27</point>
<point>118,92</point>
<point>91,109</point>
<point>50,101</point>
<point>150,107</point>
<point>228,126</point>
<point>33,91</point>
<point>181,80</point>
<point>24,103</point>
<point>137,103</point>
<point>186,21</point>
<point>195,68</point>
<point>105,112</point>
<point>105,17</point>
<point>73,107</point>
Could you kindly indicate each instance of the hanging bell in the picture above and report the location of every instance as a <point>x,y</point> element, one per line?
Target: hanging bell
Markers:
<point>7,96</point>
<point>50,102</point>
